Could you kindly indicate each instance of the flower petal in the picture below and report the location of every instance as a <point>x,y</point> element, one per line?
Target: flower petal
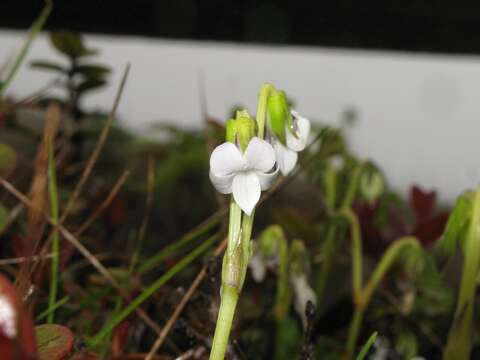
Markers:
<point>286,158</point>
<point>266,179</point>
<point>259,155</point>
<point>226,159</point>
<point>246,190</point>
<point>303,131</point>
<point>223,183</point>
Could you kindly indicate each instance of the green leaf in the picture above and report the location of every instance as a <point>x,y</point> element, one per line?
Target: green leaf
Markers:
<point>34,30</point>
<point>363,352</point>
<point>70,44</point>
<point>89,85</point>
<point>8,159</point>
<point>456,224</point>
<point>54,342</point>
<point>92,71</point>
<point>46,65</point>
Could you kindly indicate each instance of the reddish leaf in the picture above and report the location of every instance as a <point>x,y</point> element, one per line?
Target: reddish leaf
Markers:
<point>55,342</point>
<point>120,337</point>
<point>422,203</point>
<point>430,230</point>
<point>17,339</point>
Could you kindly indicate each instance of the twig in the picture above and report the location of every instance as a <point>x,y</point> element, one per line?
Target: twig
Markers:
<point>84,251</point>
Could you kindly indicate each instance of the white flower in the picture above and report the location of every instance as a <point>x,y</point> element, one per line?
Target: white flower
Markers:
<point>303,294</point>
<point>287,155</point>
<point>244,175</point>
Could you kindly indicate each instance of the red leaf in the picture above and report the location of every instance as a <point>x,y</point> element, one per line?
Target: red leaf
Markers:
<point>422,202</point>
<point>17,338</point>
<point>430,230</point>
<point>120,337</point>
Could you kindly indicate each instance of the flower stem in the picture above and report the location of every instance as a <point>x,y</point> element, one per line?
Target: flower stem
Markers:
<point>460,336</point>
<point>229,297</point>
<point>235,260</point>
<point>353,331</point>
<point>53,195</point>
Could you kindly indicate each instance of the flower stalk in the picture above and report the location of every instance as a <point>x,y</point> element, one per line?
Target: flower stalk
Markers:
<point>459,342</point>
<point>363,294</point>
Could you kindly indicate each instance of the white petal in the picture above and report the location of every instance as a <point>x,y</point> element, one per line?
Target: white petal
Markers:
<point>223,183</point>
<point>259,155</point>
<point>286,158</point>
<point>266,179</point>
<point>246,190</point>
<point>303,131</point>
<point>226,159</point>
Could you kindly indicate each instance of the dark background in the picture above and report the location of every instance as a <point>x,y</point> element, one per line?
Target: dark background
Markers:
<point>411,25</point>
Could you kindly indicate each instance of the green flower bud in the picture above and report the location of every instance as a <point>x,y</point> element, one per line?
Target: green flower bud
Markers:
<point>299,259</point>
<point>279,115</point>
<point>245,131</point>
<point>269,241</point>
<point>372,183</point>
<point>231,131</point>
<point>241,129</point>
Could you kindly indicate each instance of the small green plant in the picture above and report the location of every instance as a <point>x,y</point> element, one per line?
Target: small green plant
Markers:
<point>79,75</point>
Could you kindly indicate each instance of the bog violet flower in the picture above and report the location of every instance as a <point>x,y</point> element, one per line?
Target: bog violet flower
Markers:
<point>245,175</point>
<point>287,155</point>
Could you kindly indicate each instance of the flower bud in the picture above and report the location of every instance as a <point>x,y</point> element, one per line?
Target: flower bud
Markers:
<point>240,130</point>
<point>279,117</point>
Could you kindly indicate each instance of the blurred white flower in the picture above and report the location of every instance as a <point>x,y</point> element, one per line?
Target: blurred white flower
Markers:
<point>303,294</point>
<point>245,175</point>
<point>287,155</point>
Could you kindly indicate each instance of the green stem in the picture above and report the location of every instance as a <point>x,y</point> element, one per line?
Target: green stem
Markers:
<point>262,108</point>
<point>34,30</point>
<point>327,251</point>
<point>354,331</point>
<point>150,290</point>
<point>47,312</point>
<point>352,186</point>
<point>229,298</point>
<point>53,195</point>
<point>357,262</point>
<point>283,295</point>
<point>385,263</point>
<point>460,335</point>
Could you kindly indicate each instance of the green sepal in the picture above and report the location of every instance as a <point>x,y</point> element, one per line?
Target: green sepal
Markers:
<point>230,131</point>
<point>299,259</point>
<point>278,114</point>
<point>245,129</point>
